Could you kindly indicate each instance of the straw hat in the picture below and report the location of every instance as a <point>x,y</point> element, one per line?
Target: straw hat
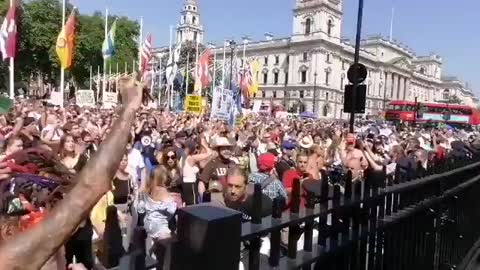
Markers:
<point>221,142</point>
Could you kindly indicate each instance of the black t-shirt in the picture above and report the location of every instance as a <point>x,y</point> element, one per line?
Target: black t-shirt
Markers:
<point>216,170</point>
<point>282,166</point>
<point>247,207</point>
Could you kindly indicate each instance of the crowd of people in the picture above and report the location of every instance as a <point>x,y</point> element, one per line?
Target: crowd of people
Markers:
<point>67,172</point>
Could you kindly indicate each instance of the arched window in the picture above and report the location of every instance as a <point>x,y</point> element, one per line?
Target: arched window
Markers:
<point>308,26</point>
<point>446,94</point>
<point>194,20</point>
<point>329,27</point>
<point>422,70</point>
<point>184,19</point>
<point>195,35</point>
<point>326,109</point>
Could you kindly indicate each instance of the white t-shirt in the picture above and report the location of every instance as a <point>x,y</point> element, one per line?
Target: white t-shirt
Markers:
<point>135,163</point>
<point>57,135</point>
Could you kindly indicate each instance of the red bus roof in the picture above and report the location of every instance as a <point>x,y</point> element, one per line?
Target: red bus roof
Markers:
<point>434,105</point>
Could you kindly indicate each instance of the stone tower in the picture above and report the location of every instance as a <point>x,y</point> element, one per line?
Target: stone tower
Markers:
<point>190,27</point>
<point>314,19</point>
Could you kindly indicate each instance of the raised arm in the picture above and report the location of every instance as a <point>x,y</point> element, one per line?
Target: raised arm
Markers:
<point>40,242</point>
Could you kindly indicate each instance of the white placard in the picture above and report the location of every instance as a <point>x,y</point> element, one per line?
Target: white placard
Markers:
<point>110,100</point>
<point>85,98</point>
<point>222,104</point>
<point>256,106</point>
<point>56,98</point>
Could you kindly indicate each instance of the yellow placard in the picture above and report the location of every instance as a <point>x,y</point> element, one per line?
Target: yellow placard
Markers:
<point>193,104</point>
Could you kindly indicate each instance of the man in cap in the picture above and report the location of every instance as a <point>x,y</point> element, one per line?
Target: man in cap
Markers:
<point>286,162</point>
<point>271,186</point>
<point>216,169</point>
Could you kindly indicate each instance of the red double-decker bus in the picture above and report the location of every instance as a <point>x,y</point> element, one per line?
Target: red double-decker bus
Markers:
<point>432,112</point>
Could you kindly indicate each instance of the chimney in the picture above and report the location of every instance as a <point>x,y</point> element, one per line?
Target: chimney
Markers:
<point>268,36</point>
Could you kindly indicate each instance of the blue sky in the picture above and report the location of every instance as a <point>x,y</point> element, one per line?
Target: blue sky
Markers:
<point>448,28</point>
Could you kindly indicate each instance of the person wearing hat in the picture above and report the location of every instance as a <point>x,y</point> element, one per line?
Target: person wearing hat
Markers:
<point>216,169</point>
<point>271,186</point>
<point>306,142</point>
<point>286,162</point>
<point>179,144</point>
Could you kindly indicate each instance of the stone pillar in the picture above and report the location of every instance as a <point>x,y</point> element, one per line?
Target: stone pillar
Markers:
<point>388,87</point>
<point>408,95</point>
<point>401,88</point>
<point>395,86</point>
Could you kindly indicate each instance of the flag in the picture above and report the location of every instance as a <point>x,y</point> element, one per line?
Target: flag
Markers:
<point>8,34</point>
<point>254,70</point>
<point>146,53</point>
<point>65,39</point>
<point>108,46</point>
<point>202,77</point>
<point>171,69</point>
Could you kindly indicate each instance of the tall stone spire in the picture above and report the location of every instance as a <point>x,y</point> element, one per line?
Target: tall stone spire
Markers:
<point>190,27</point>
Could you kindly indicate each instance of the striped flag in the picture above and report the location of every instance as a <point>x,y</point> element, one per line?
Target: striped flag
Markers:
<point>146,53</point>
<point>8,34</point>
<point>64,46</point>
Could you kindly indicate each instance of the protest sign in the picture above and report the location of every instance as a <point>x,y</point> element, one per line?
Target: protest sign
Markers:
<point>193,104</point>
<point>85,98</point>
<point>110,100</point>
<point>256,106</point>
<point>56,98</point>
<point>222,103</point>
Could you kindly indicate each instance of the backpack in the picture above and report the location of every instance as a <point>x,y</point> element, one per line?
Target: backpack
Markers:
<point>265,183</point>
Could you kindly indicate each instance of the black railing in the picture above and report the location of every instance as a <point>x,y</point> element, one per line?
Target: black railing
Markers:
<point>387,223</point>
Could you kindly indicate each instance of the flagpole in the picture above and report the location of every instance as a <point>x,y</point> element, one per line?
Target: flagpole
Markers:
<point>214,68</point>
<point>104,59</point>
<point>391,24</point>
<point>91,77</point>
<point>223,64</point>
<point>169,89</point>
<point>140,44</point>
<point>126,68</point>
<point>99,81</point>
<point>153,76</point>
<point>12,70</point>
<point>116,79</point>
<point>62,70</point>
<point>160,83</point>
<point>109,76</point>
<point>187,75</point>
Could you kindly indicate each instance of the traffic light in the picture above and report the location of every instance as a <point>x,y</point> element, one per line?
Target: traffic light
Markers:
<point>360,97</point>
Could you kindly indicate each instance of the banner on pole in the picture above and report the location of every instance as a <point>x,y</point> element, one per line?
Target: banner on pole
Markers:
<point>193,104</point>
<point>222,102</point>
<point>56,98</point>
<point>110,100</point>
<point>85,98</point>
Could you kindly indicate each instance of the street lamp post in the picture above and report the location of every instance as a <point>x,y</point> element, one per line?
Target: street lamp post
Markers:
<point>315,104</point>
<point>232,48</point>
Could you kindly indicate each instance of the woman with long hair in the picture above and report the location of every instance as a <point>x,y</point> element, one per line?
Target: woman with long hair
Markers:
<point>172,168</point>
<point>122,183</point>
<point>159,207</point>
<point>191,167</point>
<point>70,154</point>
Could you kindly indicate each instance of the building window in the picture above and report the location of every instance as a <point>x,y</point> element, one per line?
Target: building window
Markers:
<point>341,82</point>
<point>265,61</point>
<point>327,76</point>
<point>195,35</point>
<point>275,78</point>
<point>308,26</point>
<point>302,94</point>
<point>194,20</point>
<point>343,65</point>
<point>328,58</point>
<point>277,59</point>
<point>184,19</point>
<point>422,70</point>
<point>329,27</point>
<point>194,8</point>
<point>286,77</point>
<point>369,104</point>
<point>241,62</point>
<point>274,94</point>
<point>305,56</point>
<point>446,94</point>
<point>326,96</point>
<point>265,78</point>
<point>304,76</point>
<point>263,94</point>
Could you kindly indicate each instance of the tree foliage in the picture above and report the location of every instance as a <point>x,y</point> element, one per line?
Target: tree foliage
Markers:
<point>38,26</point>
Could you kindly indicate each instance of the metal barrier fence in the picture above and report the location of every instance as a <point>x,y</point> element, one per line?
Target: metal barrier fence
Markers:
<point>429,222</point>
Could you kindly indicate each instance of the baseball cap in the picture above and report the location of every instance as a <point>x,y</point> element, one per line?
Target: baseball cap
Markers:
<point>266,162</point>
<point>288,145</point>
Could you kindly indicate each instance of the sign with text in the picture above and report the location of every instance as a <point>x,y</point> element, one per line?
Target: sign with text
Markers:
<point>193,104</point>
<point>110,100</point>
<point>222,103</point>
<point>85,98</point>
